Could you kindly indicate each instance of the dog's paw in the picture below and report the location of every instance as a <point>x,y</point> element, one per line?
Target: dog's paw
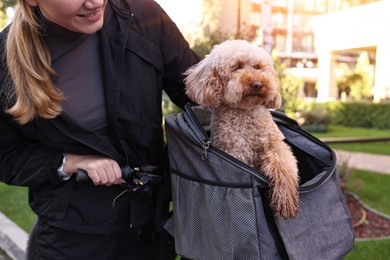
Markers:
<point>285,201</point>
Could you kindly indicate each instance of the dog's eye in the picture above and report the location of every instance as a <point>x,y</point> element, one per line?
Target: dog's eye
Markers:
<point>238,66</point>
<point>257,67</point>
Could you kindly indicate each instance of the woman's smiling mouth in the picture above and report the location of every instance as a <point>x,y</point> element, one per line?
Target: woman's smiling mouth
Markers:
<point>94,16</point>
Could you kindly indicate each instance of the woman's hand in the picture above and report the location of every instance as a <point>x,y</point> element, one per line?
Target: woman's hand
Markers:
<point>101,170</point>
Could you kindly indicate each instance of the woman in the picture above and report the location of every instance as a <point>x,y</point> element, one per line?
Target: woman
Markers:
<point>81,87</point>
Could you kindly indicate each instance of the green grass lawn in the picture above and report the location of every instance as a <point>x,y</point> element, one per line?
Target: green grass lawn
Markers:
<point>14,204</point>
<point>366,147</point>
<point>345,131</point>
<point>371,147</point>
<point>370,250</point>
<point>373,190</point>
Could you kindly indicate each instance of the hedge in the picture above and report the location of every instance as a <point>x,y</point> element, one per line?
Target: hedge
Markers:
<point>361,114</point>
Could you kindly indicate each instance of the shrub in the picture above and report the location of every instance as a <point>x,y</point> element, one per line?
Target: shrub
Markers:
<point>168,107</point>
<point>344,170</point>
<point>203,46</point>
<point>290,86</point>
<point>314,117</point>
<point>362,114</point>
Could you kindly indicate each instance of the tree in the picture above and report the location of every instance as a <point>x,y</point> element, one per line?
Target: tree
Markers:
<point>357,82</point>
<point>289,86</point>
<point>361,89</point>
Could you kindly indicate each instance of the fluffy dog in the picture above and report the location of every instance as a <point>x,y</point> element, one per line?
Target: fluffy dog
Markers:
<point>238,81</point>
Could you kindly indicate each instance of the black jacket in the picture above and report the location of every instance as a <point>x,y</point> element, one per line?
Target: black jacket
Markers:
<point>143,54</point>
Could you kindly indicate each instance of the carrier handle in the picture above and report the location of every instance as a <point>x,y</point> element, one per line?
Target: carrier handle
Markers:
<point>194,122</point>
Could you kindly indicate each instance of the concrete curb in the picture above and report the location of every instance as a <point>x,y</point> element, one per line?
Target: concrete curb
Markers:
<point>13,239</point>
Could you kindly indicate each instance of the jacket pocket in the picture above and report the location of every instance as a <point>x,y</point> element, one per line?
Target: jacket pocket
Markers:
<point>51,203</point>
<point>146,50</point>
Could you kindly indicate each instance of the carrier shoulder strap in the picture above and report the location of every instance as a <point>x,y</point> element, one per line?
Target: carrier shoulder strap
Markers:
<point>272,225</point>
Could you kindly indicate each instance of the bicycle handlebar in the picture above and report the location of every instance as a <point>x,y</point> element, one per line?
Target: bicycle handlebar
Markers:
<point>137,178</point>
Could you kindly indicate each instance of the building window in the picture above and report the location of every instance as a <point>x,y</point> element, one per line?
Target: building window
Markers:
<point>310,90</point>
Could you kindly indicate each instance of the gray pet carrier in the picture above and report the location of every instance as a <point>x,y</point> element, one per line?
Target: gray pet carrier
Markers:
<point>221,210</point>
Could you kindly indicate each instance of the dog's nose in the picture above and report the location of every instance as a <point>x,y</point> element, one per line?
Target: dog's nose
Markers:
<point>256,85</point>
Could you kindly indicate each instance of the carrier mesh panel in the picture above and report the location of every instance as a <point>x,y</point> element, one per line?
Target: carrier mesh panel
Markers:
<point>225,226</point>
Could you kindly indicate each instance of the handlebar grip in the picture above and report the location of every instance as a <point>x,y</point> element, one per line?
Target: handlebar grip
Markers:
<point>82,176</point>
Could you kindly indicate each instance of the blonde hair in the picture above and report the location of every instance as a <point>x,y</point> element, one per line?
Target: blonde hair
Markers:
<point>29,64</point>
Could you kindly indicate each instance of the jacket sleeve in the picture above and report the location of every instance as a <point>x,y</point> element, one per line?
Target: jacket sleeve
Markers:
<point>177,56</point>
<point>23,161</point>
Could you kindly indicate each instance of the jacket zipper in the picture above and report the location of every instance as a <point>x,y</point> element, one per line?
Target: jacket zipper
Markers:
<point>87,144</point>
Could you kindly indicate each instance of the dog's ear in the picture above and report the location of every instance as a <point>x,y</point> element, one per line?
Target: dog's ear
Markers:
<point>276,100</point>
<point>203,85</point>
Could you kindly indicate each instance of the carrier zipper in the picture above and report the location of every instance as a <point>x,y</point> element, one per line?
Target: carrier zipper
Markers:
<point>258,175</point>
<point>239,164</point>
<point>198,131</point>
<point>202,138</point>
<point>320,181</point>
<point>331,168</point>
<point>206,147</point>
<point>292,124</point>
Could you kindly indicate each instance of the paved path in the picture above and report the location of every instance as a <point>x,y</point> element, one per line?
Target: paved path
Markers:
<point>364,161</point>
<point>14,240</point>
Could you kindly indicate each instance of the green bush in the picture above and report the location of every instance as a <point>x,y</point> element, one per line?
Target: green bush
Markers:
<point>314,117</point>
<point>290,86</point>
<point>203,46</point>
<point>361,114</point>
<point>381,116</point>
<point>352,114</point>
<point>316,128</point>
<point>168,107</point>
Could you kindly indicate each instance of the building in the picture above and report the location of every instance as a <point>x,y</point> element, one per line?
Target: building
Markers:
<point>357,29</point>
<point>311,36</point>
